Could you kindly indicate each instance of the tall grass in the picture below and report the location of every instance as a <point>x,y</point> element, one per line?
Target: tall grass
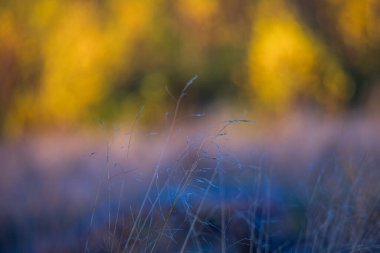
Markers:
<point>198,190</point>
<point>211,200</point>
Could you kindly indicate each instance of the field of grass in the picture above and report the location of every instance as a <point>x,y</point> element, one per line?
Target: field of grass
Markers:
<point>211,185</point>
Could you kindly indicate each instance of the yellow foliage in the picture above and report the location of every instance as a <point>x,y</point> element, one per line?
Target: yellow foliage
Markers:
<point>358,21</point>
<point>74,53</point>
<point>80,50</point>
<point>198,10</point>
<point>43,13</point>
<point>6,27</point>
<point>62,57</point>
<point>287,63</point>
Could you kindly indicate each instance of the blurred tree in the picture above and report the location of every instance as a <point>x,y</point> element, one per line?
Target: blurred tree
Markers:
<point>81,44</point>
<point>66,61</point>
<point>351,30</point>
<point>289,66</point>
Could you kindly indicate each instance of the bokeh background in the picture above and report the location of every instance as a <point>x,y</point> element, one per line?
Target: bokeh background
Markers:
<point>65,63</point>
<point>77,151</point>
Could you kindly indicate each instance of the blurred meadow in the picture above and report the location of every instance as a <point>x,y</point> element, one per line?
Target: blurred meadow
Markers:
<point>190,126</point>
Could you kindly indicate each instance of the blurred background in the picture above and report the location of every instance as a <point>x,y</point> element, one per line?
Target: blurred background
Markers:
<point>65,63</point>
<point>307,72</point>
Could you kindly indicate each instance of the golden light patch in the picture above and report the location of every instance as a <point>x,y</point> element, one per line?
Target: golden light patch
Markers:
<point>198,10</point>
<point>286,62</point>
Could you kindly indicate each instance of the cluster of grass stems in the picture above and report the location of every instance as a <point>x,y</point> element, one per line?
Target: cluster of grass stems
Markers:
<point>208,200</point>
